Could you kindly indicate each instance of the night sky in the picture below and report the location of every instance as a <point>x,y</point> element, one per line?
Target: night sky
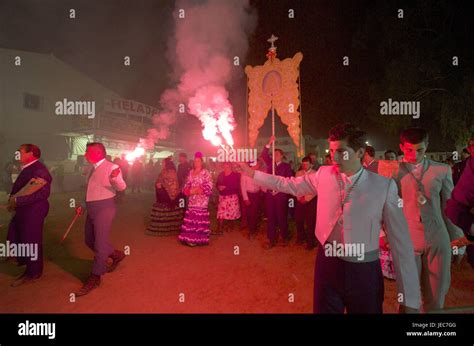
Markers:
<point>405,59</point>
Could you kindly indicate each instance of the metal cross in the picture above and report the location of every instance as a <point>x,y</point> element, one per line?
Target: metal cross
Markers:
<point>272,40</point>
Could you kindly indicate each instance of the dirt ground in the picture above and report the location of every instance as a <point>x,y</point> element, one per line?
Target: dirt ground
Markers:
<point>160,272</point>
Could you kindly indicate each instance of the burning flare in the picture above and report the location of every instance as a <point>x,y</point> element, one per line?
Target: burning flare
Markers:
<point>212,107</point>
<point>133,155</point>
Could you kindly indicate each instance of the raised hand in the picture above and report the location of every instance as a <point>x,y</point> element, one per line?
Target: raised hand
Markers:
<point>271,140</point>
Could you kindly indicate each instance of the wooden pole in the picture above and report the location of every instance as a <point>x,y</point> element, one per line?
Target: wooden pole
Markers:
<point>247,115</point>
<point>302,144</point>
<point>273,143</point>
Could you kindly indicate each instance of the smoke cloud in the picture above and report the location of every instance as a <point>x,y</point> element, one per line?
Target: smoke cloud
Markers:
<point>208,36</point>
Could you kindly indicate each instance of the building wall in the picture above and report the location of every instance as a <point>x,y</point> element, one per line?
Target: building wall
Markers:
<point>48,80</point>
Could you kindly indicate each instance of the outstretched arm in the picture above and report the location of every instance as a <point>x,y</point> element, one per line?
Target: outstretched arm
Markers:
<point>304,185</point>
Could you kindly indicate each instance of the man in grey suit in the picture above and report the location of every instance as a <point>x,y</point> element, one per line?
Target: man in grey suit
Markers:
<point>352,205</point>
<point>425,186</point>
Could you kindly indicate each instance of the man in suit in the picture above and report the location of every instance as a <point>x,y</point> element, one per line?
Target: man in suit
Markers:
<point>276,203</point>
<point>104,180</point>
<point>314,161</point>
<point>305,209</point>
<point>390,155</point>
<point>460,208</point>
<point>369,161</point>
<point>251,201</point>
<point>425,186</point>
<point>183,169</point>
<point>466,153</point>
<point>352,205</point>
<point>29,200</point>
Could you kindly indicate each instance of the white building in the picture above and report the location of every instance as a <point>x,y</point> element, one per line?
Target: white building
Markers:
<point>31,84</point>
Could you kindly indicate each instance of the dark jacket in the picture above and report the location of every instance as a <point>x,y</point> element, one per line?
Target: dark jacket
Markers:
<point>283,169</point>
<point>39,199</point>
<point>183,171</point>
<point>459,205</point>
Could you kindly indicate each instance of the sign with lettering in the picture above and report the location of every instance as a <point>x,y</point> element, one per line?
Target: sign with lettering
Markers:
<point>112,123</point>
<point>124,106</point>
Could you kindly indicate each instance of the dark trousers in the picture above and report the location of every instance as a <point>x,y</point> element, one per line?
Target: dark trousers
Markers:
<point>100,215</point>
<point>251,211</point>
<point>292,207</point>
<point>119,197</point>
<point>26,227</point>
<point>470,255</point>
<point>277,213</point>
<point>306,213</point>
<point>339,284</point>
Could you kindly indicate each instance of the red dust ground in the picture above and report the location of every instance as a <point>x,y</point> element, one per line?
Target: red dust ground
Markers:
<point>151,280</point>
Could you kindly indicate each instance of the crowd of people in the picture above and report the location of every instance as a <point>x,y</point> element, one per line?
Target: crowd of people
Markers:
<point>237,197</point>
<point>407,224</point>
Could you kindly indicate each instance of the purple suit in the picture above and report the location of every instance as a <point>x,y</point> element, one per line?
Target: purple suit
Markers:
<point>276,204</point>
<point>27,224</point>
<point>458,208</point>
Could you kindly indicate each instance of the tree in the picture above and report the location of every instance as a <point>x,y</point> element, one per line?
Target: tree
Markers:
<point>412,59</point>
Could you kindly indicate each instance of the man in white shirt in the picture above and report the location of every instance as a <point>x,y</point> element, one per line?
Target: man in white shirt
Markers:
<point>103,181</point>
<point>352,205</point>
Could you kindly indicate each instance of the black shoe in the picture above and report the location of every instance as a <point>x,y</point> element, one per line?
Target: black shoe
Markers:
<point>117,257</point>
<point>24,279</point>
<point>92,282</point>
